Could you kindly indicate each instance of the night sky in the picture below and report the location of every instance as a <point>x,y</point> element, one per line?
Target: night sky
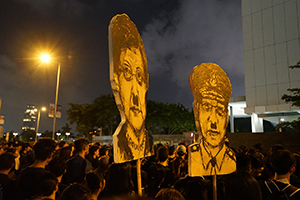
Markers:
<point>177,35</point>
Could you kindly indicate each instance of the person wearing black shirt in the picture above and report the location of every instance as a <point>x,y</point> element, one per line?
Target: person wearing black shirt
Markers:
<point>7,185</point>
<point>283,163</point>
<point>29,178</point>
<point>76,166</point>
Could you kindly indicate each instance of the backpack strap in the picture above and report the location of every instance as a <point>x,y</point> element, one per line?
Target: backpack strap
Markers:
<point>277,186</point>
<point>272,186</point>
<point>289,189</point>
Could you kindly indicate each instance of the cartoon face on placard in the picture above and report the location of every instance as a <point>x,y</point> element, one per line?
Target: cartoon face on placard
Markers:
<point>129,81</point>
<point>211,90</point>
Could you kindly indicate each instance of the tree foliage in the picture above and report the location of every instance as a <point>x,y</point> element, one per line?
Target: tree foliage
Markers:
<point>162,118</point>
<point>294,99</point>
<point>102,112</point>
<point>165,118</point>
<point>27,135</point>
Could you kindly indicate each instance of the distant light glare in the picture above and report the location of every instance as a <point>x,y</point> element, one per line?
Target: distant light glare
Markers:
<point>45,58</point>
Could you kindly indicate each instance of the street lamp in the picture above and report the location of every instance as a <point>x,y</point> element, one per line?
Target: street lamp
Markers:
<point>58,134</point>
<point>56,97</point>
<point>67,134</point>
<point>46,58</point>
<point>38,122</point>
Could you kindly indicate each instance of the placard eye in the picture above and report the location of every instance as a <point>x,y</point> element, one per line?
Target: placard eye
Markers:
<point>206,106</point>
<point>127,73</point>
<point>220,111</point>
<point>139,75</point>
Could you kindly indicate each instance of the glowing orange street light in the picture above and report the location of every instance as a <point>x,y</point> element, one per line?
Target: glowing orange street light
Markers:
<point>45,58</point>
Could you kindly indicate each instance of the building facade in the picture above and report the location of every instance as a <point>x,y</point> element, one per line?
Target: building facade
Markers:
<point>30,116</point>
<point>271,39</point>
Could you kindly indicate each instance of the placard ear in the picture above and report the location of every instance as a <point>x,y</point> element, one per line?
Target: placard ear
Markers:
<point>116,79</point>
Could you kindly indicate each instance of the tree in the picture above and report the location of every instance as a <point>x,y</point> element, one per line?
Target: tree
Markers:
<point>162,118</point>
<point>102,113</point>
<point>294,98</point>
<point>165,118</point>
<point>106,113</point>
<point>27,135</point>
<point>65,129</point>
<point>47,134</point>
<point>78,113</point>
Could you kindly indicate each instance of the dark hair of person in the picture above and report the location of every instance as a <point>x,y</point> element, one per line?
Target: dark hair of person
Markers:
<point>169,194</point>
<point>93,149</point>
<point>128,197</point>
<point>44,148</point>
<point>97,144</point>
<point>102,151</point>
<point>75,192</point>
<point>277,147</point>
<point>257,160</point>
<point>7,160</point>
<point>17,143</point>
<point>118,179</point>
<point>162,153</point>
<point>61,144</point>
<point>24,146</point>
<point>269,171</point>
<point>195,190</point>
<point>93,180</point>
<point>282,161</point>
<point>259,147</point>
<point>47,184</point>
<point>57,166</point>
<point>242,149</point>
<point>171,150</point>
<point>242,185</point>
<point>80,143</point>
<point>65,153</point>
<point>156,174</point>
<point>11,150</point>
<point>103,165</point>
<point>243,162</point>
<point>179,167</point>
<point>104,162</point>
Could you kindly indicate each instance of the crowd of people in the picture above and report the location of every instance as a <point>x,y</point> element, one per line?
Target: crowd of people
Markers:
<point>80,170</point>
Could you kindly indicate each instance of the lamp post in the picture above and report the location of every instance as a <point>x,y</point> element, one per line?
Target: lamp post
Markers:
<point>38,122</point>
<point>67,134</point>
<point>38,134</point>
<point>58,134</point>
<point>46,58</point>
<point>56,97</point>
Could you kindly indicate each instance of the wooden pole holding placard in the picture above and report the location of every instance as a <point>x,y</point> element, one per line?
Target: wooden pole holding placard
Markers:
<point>139,177</point>
<point>215,187</point>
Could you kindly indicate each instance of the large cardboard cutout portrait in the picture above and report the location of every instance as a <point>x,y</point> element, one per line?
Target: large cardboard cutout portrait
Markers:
<point>129,81</point>
<point>211,90</point>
